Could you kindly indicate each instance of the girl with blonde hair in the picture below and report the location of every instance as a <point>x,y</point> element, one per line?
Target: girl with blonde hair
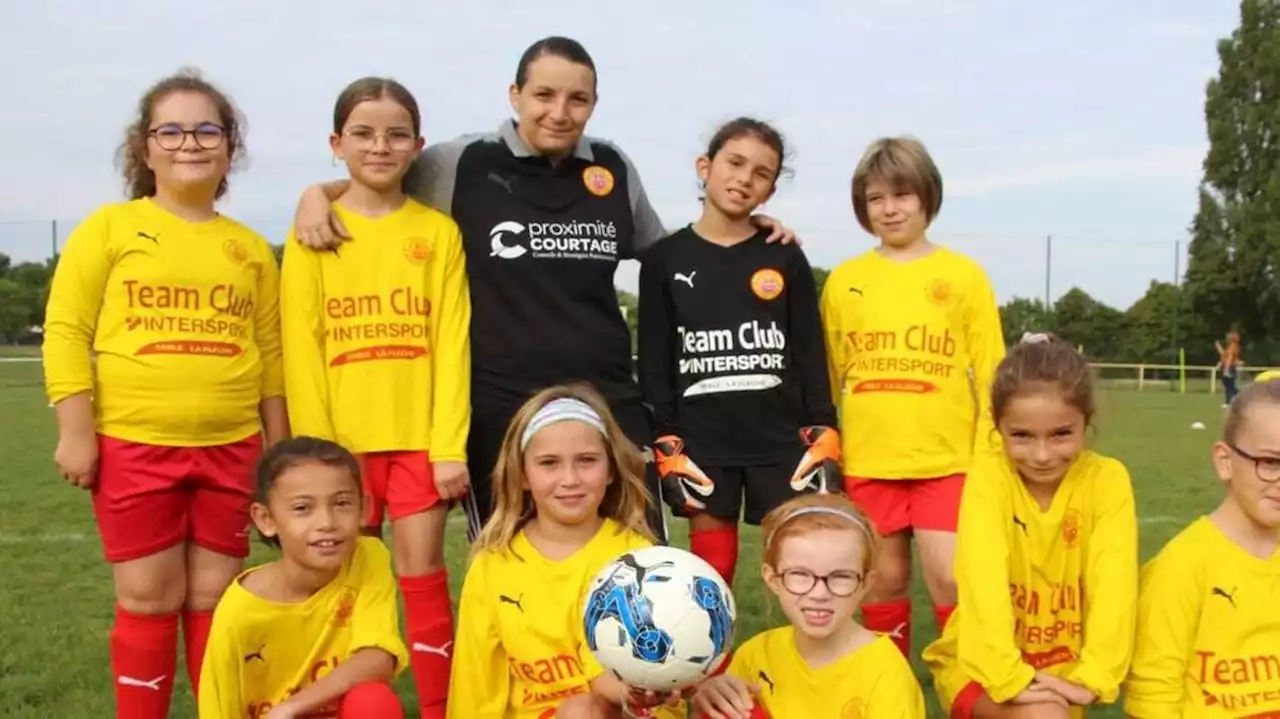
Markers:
<point>569,497</point>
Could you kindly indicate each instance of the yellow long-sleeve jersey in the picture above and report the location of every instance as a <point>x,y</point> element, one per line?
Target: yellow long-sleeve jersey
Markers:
<point>519,647</point>
<point>261,652</point>
<point>1208,643</point>
<point>172,325</point>
<point>873,681</point>
<point>1050,590</point>
<point>902,339</point>
<point>377,348</point>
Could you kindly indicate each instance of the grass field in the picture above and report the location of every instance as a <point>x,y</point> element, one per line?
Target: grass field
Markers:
<point>55,590</point>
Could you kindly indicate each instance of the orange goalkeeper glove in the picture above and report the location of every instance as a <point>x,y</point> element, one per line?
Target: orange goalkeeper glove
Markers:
<point>683,482</point>
<point>819,469</point>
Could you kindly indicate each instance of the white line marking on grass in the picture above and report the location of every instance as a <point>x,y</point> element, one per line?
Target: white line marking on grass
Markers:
<point>1161,520</point>
<point>42,538</point>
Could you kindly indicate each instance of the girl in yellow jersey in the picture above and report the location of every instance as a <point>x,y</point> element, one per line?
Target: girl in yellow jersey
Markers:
<point>1208,629</point>
<point>315,633</point>
<point>569,497</point>
<point>377,357</point>
<point>162,357</point>
<point>819,560</point>
<point>1047,562</point>
<point>907,324</point>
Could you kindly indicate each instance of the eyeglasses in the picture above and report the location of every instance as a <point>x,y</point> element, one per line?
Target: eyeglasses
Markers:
<point>802,581</point>
<point>363,139</point>
<point>1267,468</point>
<point>208,136</point>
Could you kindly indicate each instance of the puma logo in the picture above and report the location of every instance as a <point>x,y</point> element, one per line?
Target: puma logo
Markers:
<point>153,684</point>
<point>256,655</point>
<point>154,238</point>
<point>682,277</point>
<point>1220,592</point>
<point>897,631</point>
<point>1020,523</point>
<point>504,599</point>
<point>505,182</point>
<point>442,650</point>
<point>859,291</point>
<point>765,678</point>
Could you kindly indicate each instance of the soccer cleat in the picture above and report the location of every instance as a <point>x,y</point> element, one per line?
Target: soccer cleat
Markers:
<point>819,470</point>
<point>683,482</point>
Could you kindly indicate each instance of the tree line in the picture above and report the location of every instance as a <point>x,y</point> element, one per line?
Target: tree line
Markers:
<point>1232,281</point>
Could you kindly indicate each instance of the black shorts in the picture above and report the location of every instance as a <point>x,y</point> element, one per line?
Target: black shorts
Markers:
<point>484,442</point>
<point>765,487</point>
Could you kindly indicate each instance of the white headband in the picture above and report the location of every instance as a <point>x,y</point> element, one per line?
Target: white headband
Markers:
<point>814,510</point>
<point>1032,338</point>
<point>561,410</point>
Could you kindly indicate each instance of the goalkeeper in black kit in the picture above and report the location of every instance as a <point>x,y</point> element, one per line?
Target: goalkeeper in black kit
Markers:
<point>732,358</point>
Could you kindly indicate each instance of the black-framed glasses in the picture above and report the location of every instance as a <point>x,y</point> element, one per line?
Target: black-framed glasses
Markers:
<point>802,581</point>
<point>207,135</point>
<point>1267,468</point>
<point>363,139</point>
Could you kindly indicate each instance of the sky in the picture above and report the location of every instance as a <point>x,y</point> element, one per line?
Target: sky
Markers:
<point>1082,121</point>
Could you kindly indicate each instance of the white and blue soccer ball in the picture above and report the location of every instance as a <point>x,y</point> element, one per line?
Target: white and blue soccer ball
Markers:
<point>659,618</point>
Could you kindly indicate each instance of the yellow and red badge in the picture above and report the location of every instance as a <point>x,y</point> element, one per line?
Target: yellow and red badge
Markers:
<point>599,180</point>
<point>767,284</point>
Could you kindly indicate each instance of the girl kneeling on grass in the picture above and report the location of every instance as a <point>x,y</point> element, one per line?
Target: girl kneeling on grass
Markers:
<point>316,632</point>
<point>1047,561</point>
<point>569,497</point>
<point>819,556</point>
<point>1208,638</point>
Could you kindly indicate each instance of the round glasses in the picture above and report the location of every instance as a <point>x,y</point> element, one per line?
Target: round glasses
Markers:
<point>208,136</point>
<point>1267,468</point>
<point>363,139</point>
<point>802,581</point>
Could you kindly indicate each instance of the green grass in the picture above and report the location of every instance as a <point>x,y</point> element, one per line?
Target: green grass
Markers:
<point>56,602</point>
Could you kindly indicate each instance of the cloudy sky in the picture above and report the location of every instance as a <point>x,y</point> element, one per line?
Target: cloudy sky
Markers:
<point>1081,120</point>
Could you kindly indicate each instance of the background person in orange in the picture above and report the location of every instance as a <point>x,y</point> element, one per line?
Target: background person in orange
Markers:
<point>1229,364</point>
<point>907,324</point>
<point>378,359</point>
<point>162,356</point>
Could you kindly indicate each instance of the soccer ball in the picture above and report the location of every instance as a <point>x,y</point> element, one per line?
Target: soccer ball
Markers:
<point>659,618</point>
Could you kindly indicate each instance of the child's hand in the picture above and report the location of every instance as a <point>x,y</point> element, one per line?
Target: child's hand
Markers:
<point>283,711</point>
<point>452,479</point>
<point>725,697</point>
<point>1072,692</point>
<point>647,698</point>
<point>1037,693</point>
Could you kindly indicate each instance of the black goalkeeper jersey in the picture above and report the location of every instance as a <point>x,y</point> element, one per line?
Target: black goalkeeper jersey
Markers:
<point>731,348</point>
<point>543,241</point>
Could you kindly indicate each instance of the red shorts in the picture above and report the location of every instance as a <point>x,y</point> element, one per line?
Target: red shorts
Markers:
<point>149,497</point>
<point>966,700</point>
<point>401,483</point>
<point>897,504</point>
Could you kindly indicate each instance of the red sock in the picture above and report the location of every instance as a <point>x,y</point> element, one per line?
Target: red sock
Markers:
<point>429,619</point>
<point>893,618</point>
<point>719,548</point>
<point>195,635</point>
<point>371,699</point>
<point>943,615</point>
<point>144,653</point>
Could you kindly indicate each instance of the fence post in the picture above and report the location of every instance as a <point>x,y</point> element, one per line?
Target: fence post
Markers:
<point>1142,376</point>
